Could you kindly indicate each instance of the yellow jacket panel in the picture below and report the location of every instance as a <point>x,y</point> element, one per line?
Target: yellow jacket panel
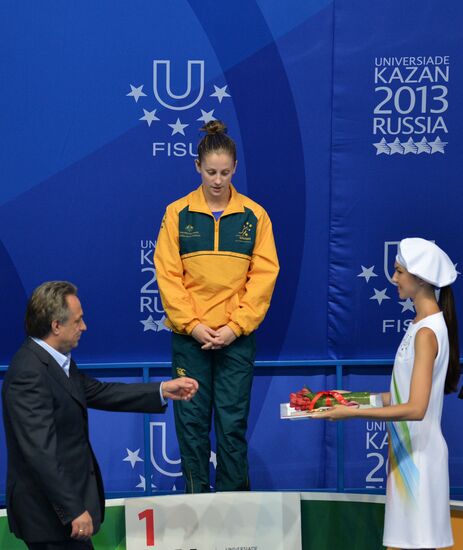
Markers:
<point>216,272</point>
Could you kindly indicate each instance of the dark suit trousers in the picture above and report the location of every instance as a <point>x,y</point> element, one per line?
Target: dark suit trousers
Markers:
<point>65,545</point>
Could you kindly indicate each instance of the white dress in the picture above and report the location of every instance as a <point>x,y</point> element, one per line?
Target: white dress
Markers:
<point>417,495</point>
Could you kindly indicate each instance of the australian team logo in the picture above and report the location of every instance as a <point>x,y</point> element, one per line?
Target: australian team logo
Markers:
<point>245,233</point>
<point>189,231</point>
<point>179,103</point>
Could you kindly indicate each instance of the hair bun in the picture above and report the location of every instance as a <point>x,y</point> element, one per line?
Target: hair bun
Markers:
<point>216,140</point>
<point>214,127</point>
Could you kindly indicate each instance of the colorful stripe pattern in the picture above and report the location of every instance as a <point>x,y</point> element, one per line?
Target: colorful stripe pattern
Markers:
<point>402,467</point>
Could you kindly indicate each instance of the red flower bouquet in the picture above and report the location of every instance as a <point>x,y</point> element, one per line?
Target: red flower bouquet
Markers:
<point>307,400</point>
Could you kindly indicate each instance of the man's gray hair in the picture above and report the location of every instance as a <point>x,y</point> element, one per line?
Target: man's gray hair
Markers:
<point>47,303</point>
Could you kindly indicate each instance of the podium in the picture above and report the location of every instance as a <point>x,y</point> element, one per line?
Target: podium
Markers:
<point>215,521</point>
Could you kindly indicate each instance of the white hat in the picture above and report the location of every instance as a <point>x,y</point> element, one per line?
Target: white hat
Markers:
<point>427,261</point>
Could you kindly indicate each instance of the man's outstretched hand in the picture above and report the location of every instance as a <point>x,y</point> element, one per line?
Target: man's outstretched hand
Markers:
<point>182,388</point>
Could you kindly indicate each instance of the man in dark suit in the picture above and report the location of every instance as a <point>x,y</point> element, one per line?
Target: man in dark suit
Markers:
<point>55,496</point>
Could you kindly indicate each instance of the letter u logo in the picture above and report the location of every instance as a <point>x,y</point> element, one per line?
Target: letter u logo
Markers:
<point>389,259</point>
<point>170,467</point>
<point>162,87</point>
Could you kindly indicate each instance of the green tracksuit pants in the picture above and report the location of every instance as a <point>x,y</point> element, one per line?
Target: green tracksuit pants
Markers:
<point>225,380</point>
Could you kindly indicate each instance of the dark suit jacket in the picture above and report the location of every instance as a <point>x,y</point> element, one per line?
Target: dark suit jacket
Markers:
<point>53,475</point>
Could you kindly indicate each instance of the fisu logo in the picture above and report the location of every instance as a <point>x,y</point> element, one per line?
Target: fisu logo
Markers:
<point>179,104</point>
<point>385,297</point>
<point>163,90</point>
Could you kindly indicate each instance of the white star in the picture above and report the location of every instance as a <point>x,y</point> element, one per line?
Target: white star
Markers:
<point>149,116</point>
<point>437,146</point>
<point>178,128</point>
<point>380,295</point>
<point>407,305</point>
<point>220,93</point>
<point>149,324</point>
<point>410,147</point>
<point>423,146</point>
<point>382,147</point>
<point>136,93</point>
<point>396,147</point>
<point>160,324</point>
<point>133,458</point>
<point>174,488</point>
<point>142,484</point>
<point>206,116</point>
<point>367,273</point>
<point>213,459</point>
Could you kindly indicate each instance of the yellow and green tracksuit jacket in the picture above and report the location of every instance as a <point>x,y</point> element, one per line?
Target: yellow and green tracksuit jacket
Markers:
<point>215,272</point>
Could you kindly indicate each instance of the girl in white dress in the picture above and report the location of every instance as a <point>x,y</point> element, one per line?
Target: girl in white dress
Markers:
<point>426,366</point>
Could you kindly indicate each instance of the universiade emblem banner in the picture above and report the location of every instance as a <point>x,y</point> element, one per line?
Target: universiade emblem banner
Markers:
<point>396,172</point>
<point>396,160</point>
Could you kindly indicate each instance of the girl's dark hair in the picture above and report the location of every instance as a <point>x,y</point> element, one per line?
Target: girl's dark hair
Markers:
<point>447,305</point>
<point>215,140</point>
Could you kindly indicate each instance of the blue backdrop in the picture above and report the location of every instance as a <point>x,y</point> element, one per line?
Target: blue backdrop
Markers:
<point>347,120</point>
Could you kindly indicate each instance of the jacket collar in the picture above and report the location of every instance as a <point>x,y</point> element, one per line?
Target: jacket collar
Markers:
<point>197,202</point>
<point>57,372</point>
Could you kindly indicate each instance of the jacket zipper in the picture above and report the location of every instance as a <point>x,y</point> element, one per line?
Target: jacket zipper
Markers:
<point>216,234</point>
